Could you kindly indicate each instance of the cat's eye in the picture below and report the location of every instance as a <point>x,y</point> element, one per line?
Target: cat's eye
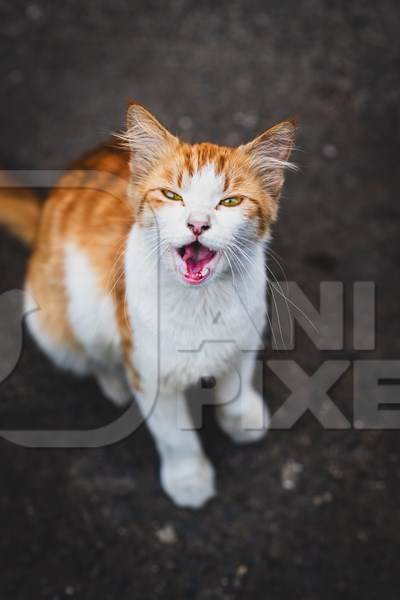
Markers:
<point>233,201</point>
<point>172,195</point>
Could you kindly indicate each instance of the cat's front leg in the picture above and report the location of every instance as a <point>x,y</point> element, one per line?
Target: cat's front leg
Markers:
<point>187,476</point>
<point>241,411</point>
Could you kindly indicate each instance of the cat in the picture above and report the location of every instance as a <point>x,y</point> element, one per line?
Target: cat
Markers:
<point>148,265</point>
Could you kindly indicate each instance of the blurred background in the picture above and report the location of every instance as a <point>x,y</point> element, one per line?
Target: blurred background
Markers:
<point>307,513</point>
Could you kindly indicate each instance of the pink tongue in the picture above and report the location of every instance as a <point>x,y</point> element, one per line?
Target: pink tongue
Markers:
<point>196,259</point>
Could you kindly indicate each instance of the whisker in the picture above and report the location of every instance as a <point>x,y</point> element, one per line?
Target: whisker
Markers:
<point>275,285</point>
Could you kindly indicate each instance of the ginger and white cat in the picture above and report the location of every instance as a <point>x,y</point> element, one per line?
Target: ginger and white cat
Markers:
<point>148,266</point>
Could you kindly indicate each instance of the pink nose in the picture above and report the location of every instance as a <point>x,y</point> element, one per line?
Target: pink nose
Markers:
<point>198,223</point>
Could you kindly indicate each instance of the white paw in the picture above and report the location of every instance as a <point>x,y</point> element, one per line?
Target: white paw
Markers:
<point>115,388</point>
<point>246,422</point>
<point>189,481</point>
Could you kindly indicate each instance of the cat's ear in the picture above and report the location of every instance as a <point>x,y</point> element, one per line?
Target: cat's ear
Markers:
<point>146,138</point>
<point>269,154</point>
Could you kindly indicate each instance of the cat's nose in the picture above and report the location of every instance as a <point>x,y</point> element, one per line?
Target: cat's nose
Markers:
<point>199,222</point>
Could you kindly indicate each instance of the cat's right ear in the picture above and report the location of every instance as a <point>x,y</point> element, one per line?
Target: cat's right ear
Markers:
<point>269,154</point>
<point>147,139</point>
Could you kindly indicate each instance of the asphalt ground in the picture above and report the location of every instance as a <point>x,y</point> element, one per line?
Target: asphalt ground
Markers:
<point>309,513</point>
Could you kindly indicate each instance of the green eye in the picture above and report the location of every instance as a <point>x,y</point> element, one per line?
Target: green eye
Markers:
<point>233,201</point>
<point>172,196</point>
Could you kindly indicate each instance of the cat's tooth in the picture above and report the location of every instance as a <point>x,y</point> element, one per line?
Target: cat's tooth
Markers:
<point>205,272</point>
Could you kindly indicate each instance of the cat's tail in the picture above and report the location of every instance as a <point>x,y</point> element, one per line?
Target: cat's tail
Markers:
<point>20,209</point>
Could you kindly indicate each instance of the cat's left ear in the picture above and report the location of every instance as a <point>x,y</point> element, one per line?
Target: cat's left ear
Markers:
<point>269,154</point>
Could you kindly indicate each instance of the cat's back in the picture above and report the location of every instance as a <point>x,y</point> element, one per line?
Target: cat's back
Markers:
<point>91,192</point>
<point>87,208</point>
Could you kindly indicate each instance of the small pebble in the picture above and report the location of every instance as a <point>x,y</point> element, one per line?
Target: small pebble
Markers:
<point>325,498</point>
<point>167,534</point>
<point>248,120</point>
<point>70,590</point>
<point>335,471</point>
<point>290,474</point>
<point>330,151</point>
<point>185,123</point>
<point>242,570</point>
<point>33,12</point>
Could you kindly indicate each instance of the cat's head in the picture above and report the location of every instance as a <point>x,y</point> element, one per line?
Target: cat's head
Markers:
<point>204,207</point>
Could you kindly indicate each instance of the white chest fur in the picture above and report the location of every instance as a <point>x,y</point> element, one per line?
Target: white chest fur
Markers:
<point>182,333</point>
<point>91,312</point>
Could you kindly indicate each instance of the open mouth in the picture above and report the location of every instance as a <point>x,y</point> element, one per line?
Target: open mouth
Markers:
<point>196,262</point>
